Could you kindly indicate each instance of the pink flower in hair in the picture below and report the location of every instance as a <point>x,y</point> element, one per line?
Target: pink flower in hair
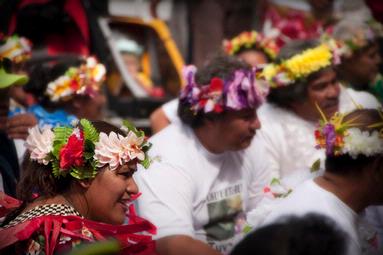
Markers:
<point>39,143</point>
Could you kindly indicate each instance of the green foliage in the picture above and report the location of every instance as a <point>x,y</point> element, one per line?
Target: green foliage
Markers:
<point>132,128</point>
<point>275,181</point>
<point>90,133</point>
<point>315,166</point>
<point>61,138</point>
<point>56,169</point>
<point>81,173</point>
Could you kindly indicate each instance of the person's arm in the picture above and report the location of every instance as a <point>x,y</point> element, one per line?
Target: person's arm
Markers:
<point>158,120</point>
<point>18,125</point>
<point>185,245</point>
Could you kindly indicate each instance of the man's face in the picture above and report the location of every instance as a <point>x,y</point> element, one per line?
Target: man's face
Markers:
<point>4,105</point>
<point>237,129</point>
<point>253,57</point>
<point>323,91</point>
<point>364,66</point>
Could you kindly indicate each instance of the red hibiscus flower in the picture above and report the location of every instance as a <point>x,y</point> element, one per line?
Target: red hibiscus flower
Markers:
<point>71,154</point>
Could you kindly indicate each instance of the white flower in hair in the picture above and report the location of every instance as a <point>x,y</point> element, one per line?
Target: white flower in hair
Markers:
<point>134,145</point>
<point>362,142</point>
<point>39,143</point>
<point>115,149</point>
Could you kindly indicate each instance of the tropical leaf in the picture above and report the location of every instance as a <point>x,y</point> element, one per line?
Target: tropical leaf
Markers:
<point>315,166</point>
<point>90,132</point>
<point>132,128</point>
<point>61,137</point>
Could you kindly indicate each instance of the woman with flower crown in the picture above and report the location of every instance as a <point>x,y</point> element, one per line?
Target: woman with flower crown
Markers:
<point>66,89</point>
<point>77,187</point>
<point>352,180</point>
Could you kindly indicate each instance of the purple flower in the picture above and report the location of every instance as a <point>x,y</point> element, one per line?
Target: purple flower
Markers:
<point>330,135</point>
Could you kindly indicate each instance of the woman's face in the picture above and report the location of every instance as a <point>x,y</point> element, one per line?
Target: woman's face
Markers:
<point>89,107</point>
<point>110,193</point>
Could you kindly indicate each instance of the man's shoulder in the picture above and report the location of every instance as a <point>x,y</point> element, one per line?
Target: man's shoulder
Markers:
<point>350,99</point>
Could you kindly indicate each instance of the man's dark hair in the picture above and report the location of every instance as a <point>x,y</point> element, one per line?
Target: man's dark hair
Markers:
<point>296,92</point>
<point>312,234</point>
<point>345,164</point>
<point>221,66</point>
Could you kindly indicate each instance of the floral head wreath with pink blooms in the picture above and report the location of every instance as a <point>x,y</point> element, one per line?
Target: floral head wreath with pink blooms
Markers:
<point>242,91</point>
<point>249,40</point>
<point>338,137</point>
<point>80,152</point>
<point>83,80</point>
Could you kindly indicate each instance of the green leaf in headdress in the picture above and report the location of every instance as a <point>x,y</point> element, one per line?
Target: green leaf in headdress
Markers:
<point>132,128</point>
<point>61,137</point>
<point>90,132</point>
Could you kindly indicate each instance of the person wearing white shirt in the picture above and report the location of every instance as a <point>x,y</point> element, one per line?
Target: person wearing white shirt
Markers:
<point>206,177</point>
<point>352,181</point>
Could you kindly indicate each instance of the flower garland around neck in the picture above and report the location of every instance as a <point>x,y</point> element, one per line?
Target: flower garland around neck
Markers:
<point>83,80</point>
<point>249,40</point>
<point>17,49</point>
<point>80,152</point>
<point>242,91</point>
<point>338,137</point>
<point>300,66</point>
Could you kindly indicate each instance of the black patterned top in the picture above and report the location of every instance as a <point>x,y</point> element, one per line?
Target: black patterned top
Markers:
<point>41,210</point>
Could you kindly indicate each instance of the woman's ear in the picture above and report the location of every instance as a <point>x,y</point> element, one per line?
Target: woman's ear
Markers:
<point>85,183</point>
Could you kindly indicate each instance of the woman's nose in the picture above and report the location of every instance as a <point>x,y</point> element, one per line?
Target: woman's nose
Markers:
<point>132,187</point>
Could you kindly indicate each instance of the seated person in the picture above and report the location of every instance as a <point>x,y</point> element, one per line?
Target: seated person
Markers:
<point>352,179</point>
<point>64,91</point>
<point>303,78</point>
<point>251,47</point>
<point>359,68</point>
<point>75,188</point>
<point>219,121</point>
<point>9,167</point>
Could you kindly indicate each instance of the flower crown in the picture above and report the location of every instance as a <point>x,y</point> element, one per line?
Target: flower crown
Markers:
<point>362,37</point>
<point>17,49</point>
<point>301,65</point>
<point>339,137</point>
<point>241,92</point>
<point>83,80</point>
<point>80,152</point>
<point>248,40</point>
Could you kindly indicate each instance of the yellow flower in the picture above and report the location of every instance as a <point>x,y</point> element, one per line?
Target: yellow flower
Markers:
<point>269,72</point>
<point>309,61</point>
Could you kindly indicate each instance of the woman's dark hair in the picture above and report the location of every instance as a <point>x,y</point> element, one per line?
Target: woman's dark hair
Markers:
<point>43,72</point>
<point>221,66</point>
<point>312,234</point>
<point>345,164</point>
<point>297,92</point>
<point>38,178</point>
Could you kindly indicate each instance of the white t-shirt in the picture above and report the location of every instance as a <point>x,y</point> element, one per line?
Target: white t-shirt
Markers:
<point>190,191</point>
<point>311,198</point>
<point>289,140</point>
<point>170,109</point>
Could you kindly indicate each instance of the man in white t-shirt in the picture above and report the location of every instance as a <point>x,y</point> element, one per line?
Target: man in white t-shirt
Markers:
<point>353,178</point>
<point>290,115</point>
<point>206,177</point>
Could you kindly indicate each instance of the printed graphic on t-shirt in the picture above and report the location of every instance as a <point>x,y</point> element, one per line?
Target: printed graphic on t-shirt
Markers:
<point>226,217</point>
